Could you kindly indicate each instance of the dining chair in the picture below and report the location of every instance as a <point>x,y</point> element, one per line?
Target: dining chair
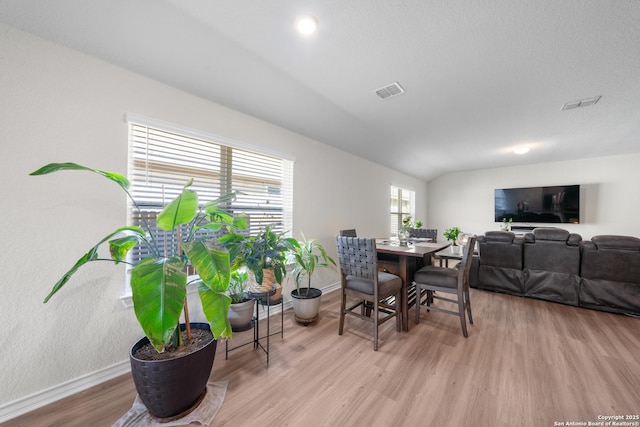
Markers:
<point>361,279</point>
<point>424,233</point>
<point>350,232</point>
<point>437,280</point>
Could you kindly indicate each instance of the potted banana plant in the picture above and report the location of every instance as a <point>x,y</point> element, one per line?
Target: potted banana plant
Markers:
<point>159,289</point>
<point>307,256</point>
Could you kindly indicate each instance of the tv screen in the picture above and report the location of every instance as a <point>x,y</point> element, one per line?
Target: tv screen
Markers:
<point>559,204</point>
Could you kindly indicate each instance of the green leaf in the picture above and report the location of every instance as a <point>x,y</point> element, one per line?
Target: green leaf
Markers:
<point>213,226</point>
<point>159,288</point>
<point>120,247</point>
<point>180,211</point>
<point>121,180</point>
<point>220,200</point>
<point>291,242</point>
<point>211,262</point>
<point>240,223</point>
<point>218,215</point>
<point>92,255</point>
<point>215,306</point>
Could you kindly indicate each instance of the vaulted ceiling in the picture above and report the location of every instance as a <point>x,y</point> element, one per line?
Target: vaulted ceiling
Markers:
<point>480,77</point>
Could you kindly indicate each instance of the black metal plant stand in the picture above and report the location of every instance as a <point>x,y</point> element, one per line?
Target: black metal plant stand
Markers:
<point>262,299</point>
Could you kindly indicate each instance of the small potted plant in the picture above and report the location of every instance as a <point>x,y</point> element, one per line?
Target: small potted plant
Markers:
<point>452,234</point>
<point>307,256</point>
<point>241,307</point>
<point>265,255</point>
<point>159,289</point>
<point>405,229</point>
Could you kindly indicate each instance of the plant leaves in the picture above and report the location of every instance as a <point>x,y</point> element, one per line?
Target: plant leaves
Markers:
<point>212,263</point>
<point>121,180</point>
<point>220,200</point>
<point>181,210</point>
<point>215,306</point>
<point>159,288</point>
<point>120,247</point>
<point>92,255</point>
<point>240,223</point>
<point>218,215</point>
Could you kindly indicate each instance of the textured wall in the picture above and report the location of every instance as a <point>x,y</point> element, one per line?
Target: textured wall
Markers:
<point>59,105</point>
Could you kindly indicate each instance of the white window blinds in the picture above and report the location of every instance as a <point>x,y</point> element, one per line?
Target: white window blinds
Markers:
<point>402,205</point>
<point>161,161</point>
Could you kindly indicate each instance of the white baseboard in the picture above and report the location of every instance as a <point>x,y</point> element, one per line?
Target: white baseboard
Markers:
<point>42,398</point>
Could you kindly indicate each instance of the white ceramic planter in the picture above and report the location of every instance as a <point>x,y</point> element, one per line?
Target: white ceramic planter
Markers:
<point>241,314</point>
<point>306,309</point>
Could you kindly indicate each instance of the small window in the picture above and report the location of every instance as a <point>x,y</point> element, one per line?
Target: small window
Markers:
<point>403,204</point>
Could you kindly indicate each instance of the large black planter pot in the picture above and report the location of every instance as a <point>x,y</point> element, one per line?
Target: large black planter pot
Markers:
<point>171,387</point>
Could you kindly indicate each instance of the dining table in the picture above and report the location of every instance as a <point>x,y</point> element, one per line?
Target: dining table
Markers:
<point>404,261</point>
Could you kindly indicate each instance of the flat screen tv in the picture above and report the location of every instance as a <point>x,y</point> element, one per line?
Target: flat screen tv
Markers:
<point>559,204</point>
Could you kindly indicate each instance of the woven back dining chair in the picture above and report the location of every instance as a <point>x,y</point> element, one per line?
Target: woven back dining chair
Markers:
<point>424,233</point>
<point>439,280</point>
<point>349,232</point>
<point>360,279</point>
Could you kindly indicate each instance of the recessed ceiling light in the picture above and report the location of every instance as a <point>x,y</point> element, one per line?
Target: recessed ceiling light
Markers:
<point>307,24</point>
<point>521,150</point>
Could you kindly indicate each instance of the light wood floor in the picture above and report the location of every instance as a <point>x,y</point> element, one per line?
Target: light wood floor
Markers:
<point>526,363</point>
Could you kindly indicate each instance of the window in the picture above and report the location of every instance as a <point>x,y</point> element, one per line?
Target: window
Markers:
<point>403,204</point>
<point>162,158</point>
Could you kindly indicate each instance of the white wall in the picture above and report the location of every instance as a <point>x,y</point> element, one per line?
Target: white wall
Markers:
<point>59,105</point>
<point>608,194</point>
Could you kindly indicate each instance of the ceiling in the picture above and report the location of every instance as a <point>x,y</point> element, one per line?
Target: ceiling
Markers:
<point>481,77</point>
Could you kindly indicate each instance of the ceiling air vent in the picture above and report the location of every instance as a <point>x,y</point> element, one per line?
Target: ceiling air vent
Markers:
<point>580,103</point>
<point>390,91</point>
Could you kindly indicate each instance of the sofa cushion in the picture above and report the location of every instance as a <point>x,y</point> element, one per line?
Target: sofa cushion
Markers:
<point>555,234</point>
<point>501,249</point>
<point>627,243</point>
<point>506,237</point>
<point>611,258</point>
<point>553,250</point>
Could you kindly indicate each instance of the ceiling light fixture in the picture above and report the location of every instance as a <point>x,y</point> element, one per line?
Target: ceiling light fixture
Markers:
<point>307,24</point>
<point>521,150</point>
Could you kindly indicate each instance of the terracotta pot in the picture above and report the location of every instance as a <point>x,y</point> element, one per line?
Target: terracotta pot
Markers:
<point>171,387</point>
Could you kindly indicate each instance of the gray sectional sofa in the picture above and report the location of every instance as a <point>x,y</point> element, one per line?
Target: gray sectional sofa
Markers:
<point>555,265</point>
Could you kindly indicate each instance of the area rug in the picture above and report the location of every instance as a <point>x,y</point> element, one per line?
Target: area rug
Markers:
<point>138,415</point>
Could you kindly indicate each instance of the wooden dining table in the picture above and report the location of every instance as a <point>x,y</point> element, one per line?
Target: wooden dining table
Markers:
<point>404,261</point>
